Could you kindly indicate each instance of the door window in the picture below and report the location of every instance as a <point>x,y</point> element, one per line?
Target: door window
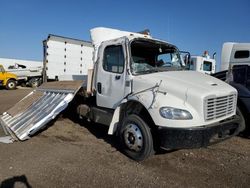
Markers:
<point>207,66</point>
<point>241,54</point>
<point>113,60</point>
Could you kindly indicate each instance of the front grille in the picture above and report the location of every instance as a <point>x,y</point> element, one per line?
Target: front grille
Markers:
<point>219,107</point>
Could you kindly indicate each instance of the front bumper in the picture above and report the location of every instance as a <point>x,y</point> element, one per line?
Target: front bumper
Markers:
<point>196,137</point>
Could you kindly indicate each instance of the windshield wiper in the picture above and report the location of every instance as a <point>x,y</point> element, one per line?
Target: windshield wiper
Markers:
<point>162,69</point>
<point>148,71</point>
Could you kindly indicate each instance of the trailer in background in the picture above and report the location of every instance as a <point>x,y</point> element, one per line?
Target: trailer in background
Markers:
<point>66,58</point>
<point>233,54</point>
<point>235,69</point>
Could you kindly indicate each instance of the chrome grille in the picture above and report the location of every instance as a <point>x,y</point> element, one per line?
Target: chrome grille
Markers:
<point>219,107</point>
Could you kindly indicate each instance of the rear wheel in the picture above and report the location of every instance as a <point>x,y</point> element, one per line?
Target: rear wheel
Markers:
<point>136,138</point>
<point>34,82</point>
<point>11,84</point>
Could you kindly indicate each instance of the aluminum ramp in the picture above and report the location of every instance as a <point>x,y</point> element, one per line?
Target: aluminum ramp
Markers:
<point>39,107</point>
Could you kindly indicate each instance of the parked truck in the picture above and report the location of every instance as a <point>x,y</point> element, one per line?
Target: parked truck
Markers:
<point>138,87</point>
<point>29,73</point>
<point>203,64</point>
<point>7,79</point>
<point>27,76</point>
<point>235,69</point>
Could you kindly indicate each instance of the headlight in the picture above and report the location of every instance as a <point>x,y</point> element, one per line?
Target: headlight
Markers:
<point>175,113</point>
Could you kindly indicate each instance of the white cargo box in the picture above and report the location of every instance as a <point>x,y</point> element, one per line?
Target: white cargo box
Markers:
<point>67,58</point>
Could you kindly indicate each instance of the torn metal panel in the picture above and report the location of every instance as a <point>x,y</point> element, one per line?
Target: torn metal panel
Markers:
<point>63,85</point>
<point>6,139</point>
<point>39,107</point>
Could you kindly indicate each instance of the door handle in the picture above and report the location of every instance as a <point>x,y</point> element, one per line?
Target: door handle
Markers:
<point>117,77</point>
<point>99,87</point>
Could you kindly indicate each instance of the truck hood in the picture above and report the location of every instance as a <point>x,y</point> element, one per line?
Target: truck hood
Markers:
<point>181,81</point>
<point>188,87</point>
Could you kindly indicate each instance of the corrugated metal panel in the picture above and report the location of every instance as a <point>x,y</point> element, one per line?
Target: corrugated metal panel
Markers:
<point>38,108</point>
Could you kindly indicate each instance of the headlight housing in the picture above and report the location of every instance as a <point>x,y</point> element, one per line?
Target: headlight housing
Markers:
<point>175,113</point>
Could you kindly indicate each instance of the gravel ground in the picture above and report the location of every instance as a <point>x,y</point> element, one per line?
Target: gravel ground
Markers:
<point>71,153</point>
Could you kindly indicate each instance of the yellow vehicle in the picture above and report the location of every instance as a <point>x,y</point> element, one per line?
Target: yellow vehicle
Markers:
<point>7,79</point>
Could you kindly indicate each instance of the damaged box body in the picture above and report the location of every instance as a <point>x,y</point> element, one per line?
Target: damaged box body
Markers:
<point>33,112</point>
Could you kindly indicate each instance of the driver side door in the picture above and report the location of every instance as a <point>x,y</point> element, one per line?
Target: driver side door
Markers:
<point>111,74</point>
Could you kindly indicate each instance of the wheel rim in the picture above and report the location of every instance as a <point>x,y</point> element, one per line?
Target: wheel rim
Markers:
<point>35,84</point>
<point>133,137</point>
<point>11,85</point>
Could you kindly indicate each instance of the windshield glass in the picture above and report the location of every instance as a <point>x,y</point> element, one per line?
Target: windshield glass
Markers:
<point>207,66</point>
<point>151,56</point>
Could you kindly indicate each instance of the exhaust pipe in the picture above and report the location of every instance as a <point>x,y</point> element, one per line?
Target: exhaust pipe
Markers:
<point>214,55</point>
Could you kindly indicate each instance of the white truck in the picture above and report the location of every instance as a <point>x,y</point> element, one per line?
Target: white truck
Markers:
<point>139,88</point>
<point>235,69</point>
<point>28,72</point>
<point>203,64</point>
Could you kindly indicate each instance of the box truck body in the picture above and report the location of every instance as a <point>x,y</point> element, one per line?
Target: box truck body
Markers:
<point>66,58</point>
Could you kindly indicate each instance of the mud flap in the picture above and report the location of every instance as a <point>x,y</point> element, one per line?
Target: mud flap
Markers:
<point>39,107</point>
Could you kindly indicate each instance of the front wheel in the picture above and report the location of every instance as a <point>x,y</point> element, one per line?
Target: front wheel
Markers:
<point>136,138</point>
<point>11,84</point>
<point>243,123</point>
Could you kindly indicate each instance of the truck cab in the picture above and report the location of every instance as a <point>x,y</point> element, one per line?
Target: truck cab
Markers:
<point>235,69</point>
<point>203,64</point>
<point>142,92</point>
<point>7,79</point>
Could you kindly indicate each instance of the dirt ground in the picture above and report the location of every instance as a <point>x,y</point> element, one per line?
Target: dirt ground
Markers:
<point>71,153</point>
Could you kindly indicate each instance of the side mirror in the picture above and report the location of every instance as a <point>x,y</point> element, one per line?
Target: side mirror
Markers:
<point>186,59</point>
<point>214,55</point>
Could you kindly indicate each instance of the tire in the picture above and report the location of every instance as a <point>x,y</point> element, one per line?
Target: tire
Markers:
<point>34,82</point>
<point>11,85</point>
<point>135,138</point>
<point>23,84</point>
<point>243,123</point>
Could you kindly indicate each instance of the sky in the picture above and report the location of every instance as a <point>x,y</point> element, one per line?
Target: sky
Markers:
<point>192,25</point>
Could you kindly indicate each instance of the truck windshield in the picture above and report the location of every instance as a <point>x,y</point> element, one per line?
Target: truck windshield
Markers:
<point>150,56</point>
